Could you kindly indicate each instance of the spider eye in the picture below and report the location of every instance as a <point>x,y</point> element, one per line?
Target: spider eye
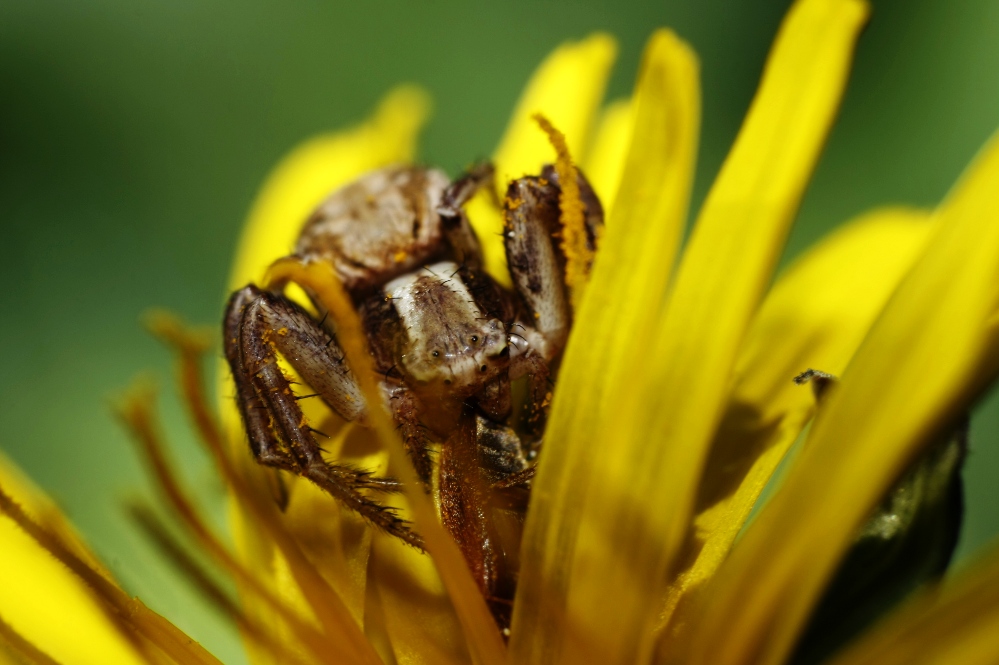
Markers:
<point>483,368</point>
<point>475,338</point>
<point>436,354</point>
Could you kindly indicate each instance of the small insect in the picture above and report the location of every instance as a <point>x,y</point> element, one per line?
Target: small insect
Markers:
<point>447,339</point>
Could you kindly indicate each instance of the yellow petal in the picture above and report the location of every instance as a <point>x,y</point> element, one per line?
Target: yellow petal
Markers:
<point>836,290</point>
<point>337,542</point>
<point>556,618</point>
<point>487,219</point>
<point>295,186</point>
<point>419,621</point>
<point>614,533</point>
<point>604,162</point>
<point>37,592</point>
<point>483,639</point>
<point>568,89</point>
<point>814,317</point>
<point>733,250</point>
<point>915,372</point>
<point>958,623</point>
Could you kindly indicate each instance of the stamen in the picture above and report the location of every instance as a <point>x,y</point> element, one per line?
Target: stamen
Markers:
<point>324,601</point>
<point>209,589</point>
<point>578,255</point>
<point>23,648</point>
<point>140,422</point>
<point>132,617</point>
<point>319,278</point>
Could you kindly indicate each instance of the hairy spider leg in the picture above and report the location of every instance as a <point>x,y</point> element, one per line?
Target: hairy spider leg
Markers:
<point>258,325</point>
<point>415,439</point>
<point>272,453</point>
<point>467,514</point>
<point>531,225</point>
<point>485,522</point>
<point>268,446</point>
<point>532,237</point>
<point>537,268</point>
<point>378,315</point>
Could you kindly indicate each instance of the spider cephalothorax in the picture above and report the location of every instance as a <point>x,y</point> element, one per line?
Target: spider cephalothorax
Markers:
<point>446,338</point>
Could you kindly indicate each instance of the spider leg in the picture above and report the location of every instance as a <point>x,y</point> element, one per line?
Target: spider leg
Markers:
<point>485,523</point>
<point>455,223</point>
<point>532,236</point>
<point>539,396</point>
<point>461,191</point>
<point>537,267</point>
<point>523,477</point>
<point>275,321</point>
<point>415,438</point>
<point>268,446</point>
<point>279,435</point>
<point>467,513</point>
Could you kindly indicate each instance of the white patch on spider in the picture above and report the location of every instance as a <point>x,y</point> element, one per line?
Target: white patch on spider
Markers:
<point>429,300</point>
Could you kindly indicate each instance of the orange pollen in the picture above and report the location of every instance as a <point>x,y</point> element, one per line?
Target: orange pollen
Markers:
<point>577,252</point>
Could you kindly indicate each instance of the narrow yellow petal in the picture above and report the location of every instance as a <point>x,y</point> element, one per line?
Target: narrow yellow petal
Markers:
<point>337,542</point>
<point>484,641</point>
<point>956,623</point>
<point>37,592</point>
<point>915,372</point>
<point>604,541</point>
<point>16,650</point>
<point>419,620</point>
<point>568,89</point>
<point>814,317</point>
<point>287,629</point>
<point>732,253</point>
<point>603,164</point>
<point>295,186</point>
<point>568,555</point>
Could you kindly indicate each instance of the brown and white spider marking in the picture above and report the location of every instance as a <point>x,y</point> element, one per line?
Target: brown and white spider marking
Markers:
<point>447,339</point>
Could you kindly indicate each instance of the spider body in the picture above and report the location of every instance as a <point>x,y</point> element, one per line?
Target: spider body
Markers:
<point>446,338</point>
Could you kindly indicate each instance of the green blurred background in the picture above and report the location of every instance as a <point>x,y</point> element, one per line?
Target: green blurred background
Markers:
<point>133,134</point>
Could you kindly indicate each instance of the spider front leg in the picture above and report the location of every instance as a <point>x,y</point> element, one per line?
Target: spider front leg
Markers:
<point>532,236</point>
<point>455,222</point>
<point>483,522</point>
<point>482,506</point>
<point>415,439</point>
<point>537,267</point>
<point>257,326</point>
<point>380,321</point>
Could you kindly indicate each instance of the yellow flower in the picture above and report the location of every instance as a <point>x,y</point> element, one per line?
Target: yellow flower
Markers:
<point>672,411</point>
